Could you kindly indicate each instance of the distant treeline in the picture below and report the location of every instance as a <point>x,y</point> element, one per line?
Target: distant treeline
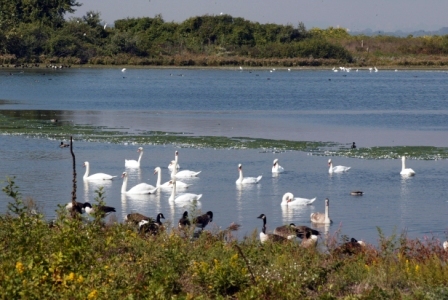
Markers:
<point>31,32</point>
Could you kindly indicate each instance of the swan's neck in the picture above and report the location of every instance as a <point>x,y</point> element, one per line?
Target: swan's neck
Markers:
<point>241,178</point>
<point>403,164</point>
<point>86,174</point>
<point>331,167</point>
<point>327,218</point>
<point>159,178</point>
<point>140,157</point>
<point>173,192</point>
<point>124,185</point>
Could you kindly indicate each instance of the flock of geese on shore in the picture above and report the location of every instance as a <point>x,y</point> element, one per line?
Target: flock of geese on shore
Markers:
<point>149,225</point>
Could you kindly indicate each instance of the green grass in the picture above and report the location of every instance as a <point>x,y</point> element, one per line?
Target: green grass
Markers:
<point>80,258</point>
<point>27,126</point>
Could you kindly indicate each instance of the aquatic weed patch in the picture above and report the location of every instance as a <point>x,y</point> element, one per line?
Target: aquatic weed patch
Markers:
<point>28,125</point>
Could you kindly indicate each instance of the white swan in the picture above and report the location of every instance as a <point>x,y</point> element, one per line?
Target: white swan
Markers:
<point>187,197</point>
<point>139,189</point>
<point>337,169</point>
<point>244,180</point>
<point>289,200</point>
<point>97,176</point>
<point>183,173</point>
<point>131,163</point>
<point>320,218</point>
<point>404,171</point>
<point>168,184</point>
<point>276,168</point>
<point>170,166</point>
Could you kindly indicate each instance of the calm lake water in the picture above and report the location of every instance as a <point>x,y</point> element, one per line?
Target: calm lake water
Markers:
<point>372,109</point>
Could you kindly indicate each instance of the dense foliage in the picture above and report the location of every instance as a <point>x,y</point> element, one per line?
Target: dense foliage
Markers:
<point>77,258</point>
<point>38,31</point>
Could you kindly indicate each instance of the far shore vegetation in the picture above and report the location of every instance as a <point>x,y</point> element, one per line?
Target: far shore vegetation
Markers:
<point>42,33</point>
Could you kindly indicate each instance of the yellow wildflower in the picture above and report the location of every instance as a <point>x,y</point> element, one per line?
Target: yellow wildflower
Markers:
<point>71,276</point>
<point>93,294</point>
<point>19,267</point>
<point>80,279</point>
<point>417,268</point>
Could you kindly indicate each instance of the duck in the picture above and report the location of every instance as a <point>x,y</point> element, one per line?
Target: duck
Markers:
<point>140,189</point>
<point>168,184</point>
<point>62,145</point>
<point>184,222</point>
<point>289,200</point>
<point>337,169</point>
<point>276,168</point>
<point>203,220</point>
<point>183,173</point>
<point>353,145</point>
<point>320,218</point>
<point>245,180</point>
<point>264,237</point>
<point>132,163</point>
<point>405,171</point>
<point>136,218</point>
<point>150,226</point>
<point>309,240</point>
<point>356,193</point>
<point>97,176</point>
<point>105,210</point>
<point>186,197</point>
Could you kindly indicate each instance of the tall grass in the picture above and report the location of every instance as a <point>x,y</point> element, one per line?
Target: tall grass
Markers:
<point>81,258</point>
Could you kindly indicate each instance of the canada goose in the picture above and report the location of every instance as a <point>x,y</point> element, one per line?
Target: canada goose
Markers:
<point>264,237</point>
<point>203,220</point>
<point>337,169</point>
<point>136,218</point>
<point>105,210</point>
<point>350,248</point>
<point>356,193</point>
<point>309,240</point>
<point>78,206</point>
<point>286,231</point>
<point>322,218</point>
<point>353,145</point>
<point>62,145</point>
<point>405,171</point>
<point>184,222</point>
<point>150,226</point>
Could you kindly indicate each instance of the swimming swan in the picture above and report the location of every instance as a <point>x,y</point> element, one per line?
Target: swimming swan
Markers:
<point>183,173</point>
<point>97,176</point>
<point>244,180</point>
<point>168,184</point>
<point>320,218</point>
<point>337,169</point>
<point>139,189</point>
<point>276,168</point>
<point>187,197</point>
<point>289,200</point>
<point>131,163</point>
<point>404,171</point>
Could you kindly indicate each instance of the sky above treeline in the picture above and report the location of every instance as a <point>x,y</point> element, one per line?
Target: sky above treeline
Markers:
<point>355,15</point>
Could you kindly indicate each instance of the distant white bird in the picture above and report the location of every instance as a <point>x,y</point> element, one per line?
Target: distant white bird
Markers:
<point>221,13</point>
<point>337,169</point>
<point>105,25</point>
<point>276,168</point>
<point>289,70</point>
<point>370,69</point>
<point>241,68</point>
<point>123,70</point>
<point>244,180</point>
<point>376,70</point>
<point>406,171</point>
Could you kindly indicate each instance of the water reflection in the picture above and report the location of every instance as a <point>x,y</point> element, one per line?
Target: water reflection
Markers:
<point>290,214</point>
<point>91,186</point>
